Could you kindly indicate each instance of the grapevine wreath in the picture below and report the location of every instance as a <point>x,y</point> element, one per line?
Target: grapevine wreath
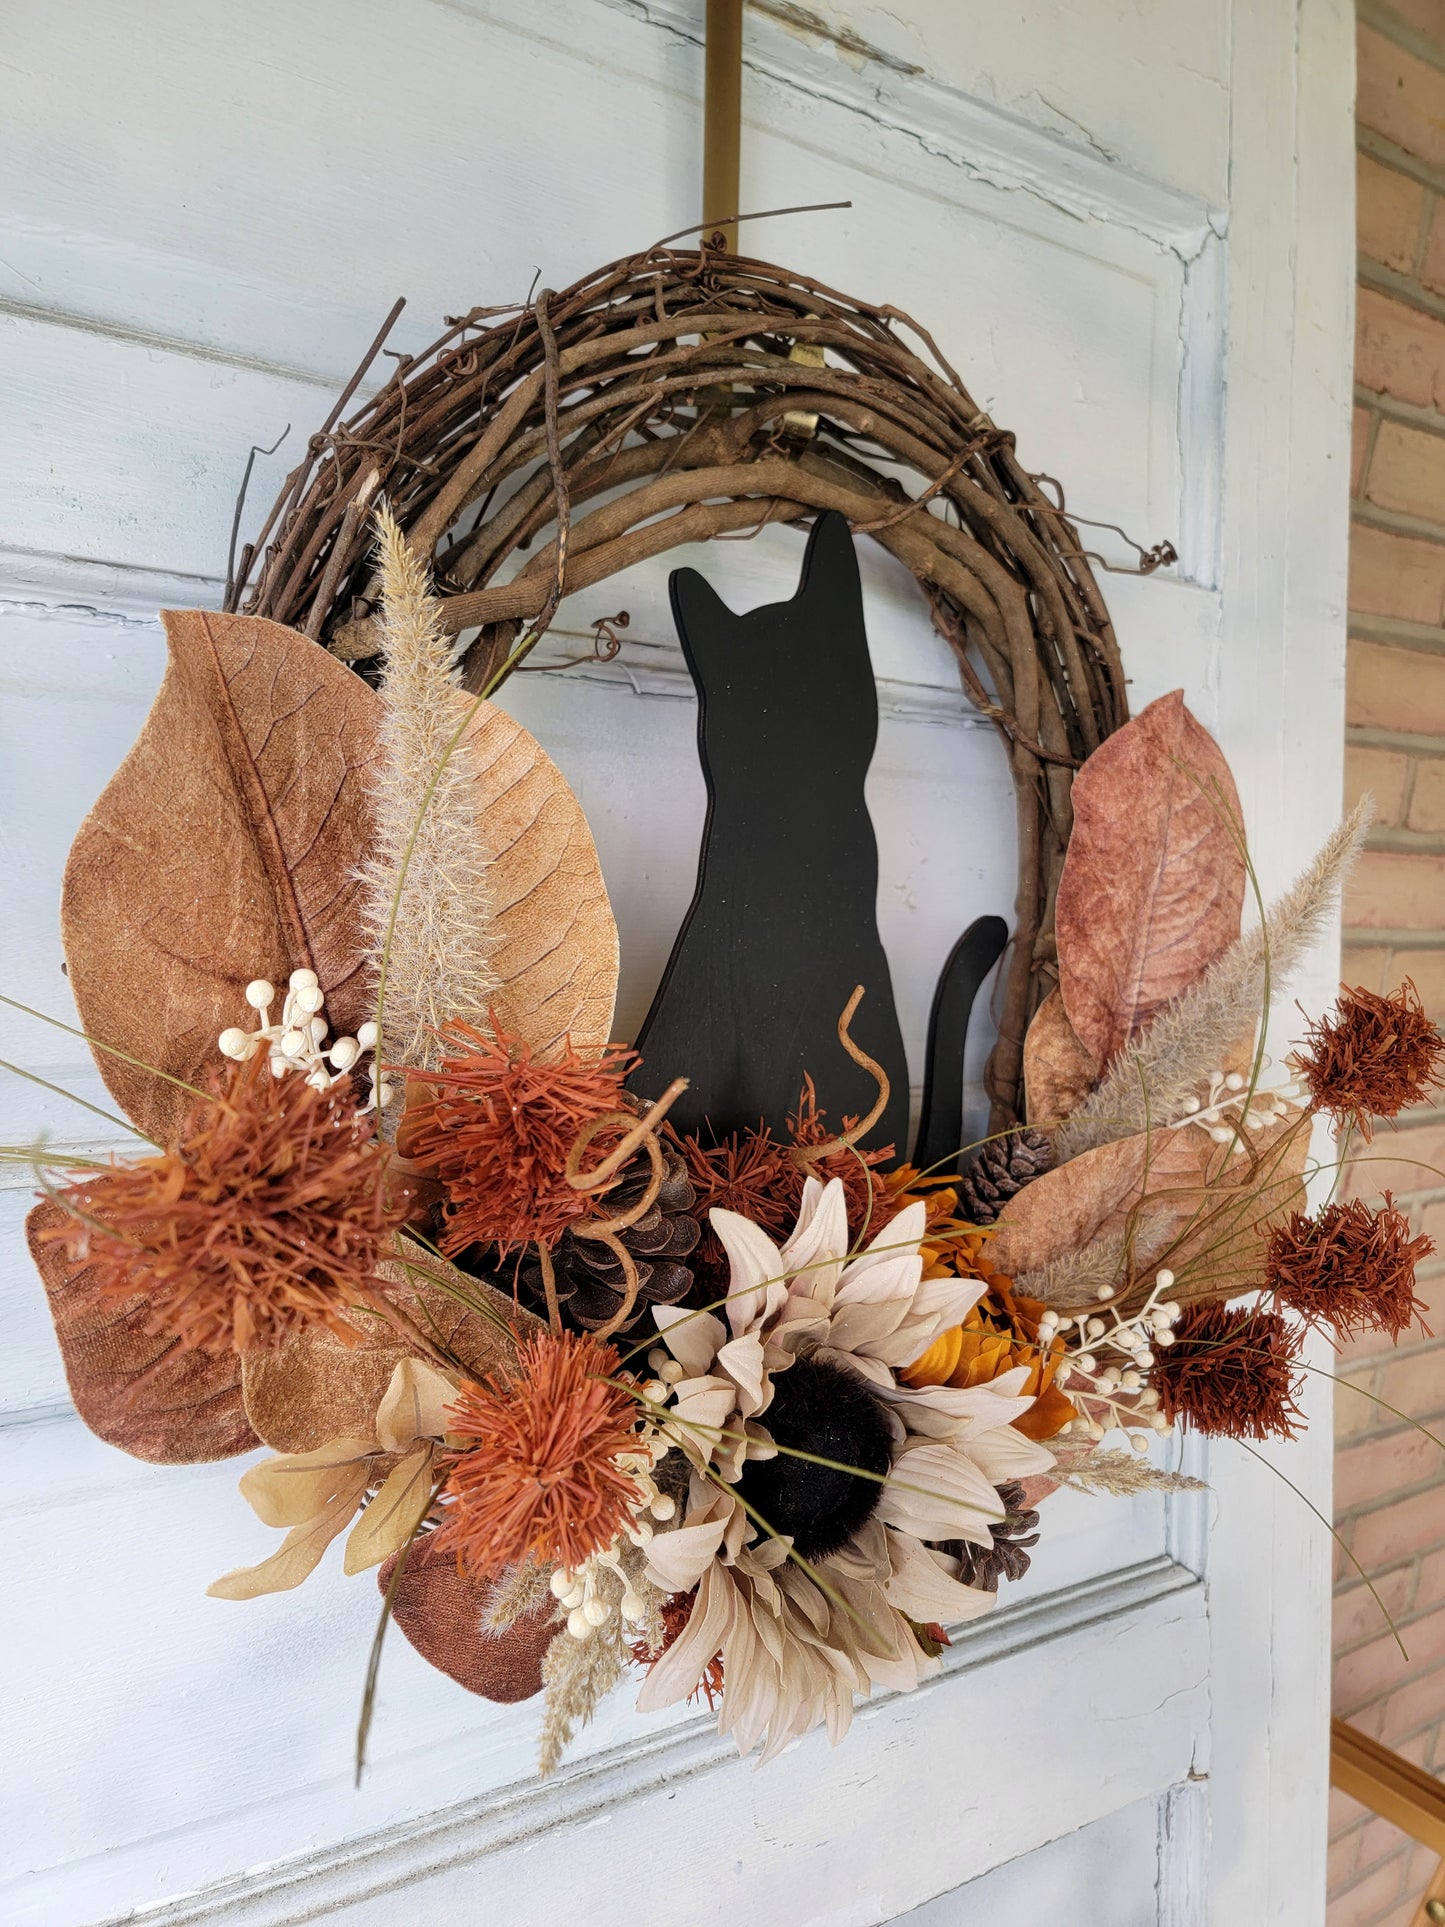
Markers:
<point>587,1381</point>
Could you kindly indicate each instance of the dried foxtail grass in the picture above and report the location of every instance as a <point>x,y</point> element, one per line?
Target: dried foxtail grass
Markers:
<point>521,1589</point>
<point>578,1674</point>
<point>428,905</point>
<point>1151,1081</point>
<point>1119,1474</point>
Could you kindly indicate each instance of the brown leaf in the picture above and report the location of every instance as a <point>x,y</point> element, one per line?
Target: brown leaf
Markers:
<point>557,953</point>
<point>1058,1072</point>
<point>1204,1207</point>
<point>1153,884</point>
<point>316,1387</point>
<point>222,849</point>
<point>144,1394</point>
<point>440,1609</point>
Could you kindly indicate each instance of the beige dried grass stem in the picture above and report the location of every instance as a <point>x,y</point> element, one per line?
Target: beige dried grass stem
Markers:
<point>428,905</point>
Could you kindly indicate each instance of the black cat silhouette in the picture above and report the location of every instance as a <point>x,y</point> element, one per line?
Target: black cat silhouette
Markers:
<point>784,921</point>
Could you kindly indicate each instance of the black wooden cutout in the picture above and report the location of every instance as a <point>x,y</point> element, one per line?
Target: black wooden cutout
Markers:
<point>784,921</point>
<point>940,1121</point>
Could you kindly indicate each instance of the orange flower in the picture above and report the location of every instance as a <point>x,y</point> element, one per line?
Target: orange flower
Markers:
<point>541,1478</point>
<point>269,1215</point>
<point>1000,1333</point>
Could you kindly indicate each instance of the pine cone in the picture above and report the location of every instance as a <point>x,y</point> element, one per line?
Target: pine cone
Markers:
<point>1006,1558</point>
<point>1000,1171</point>
<point>591,1283</point>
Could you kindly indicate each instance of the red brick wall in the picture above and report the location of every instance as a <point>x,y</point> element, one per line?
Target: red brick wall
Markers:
<point>1389,1479</point>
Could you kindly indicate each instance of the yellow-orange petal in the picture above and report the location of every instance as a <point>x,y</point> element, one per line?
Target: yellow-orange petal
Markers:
<point>1048,1415</point>
<point>937,1364</point>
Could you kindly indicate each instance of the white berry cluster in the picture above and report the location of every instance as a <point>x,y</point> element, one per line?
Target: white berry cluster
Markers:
<point>1231,1110</point>
<point>1107,1358</point>
<point>599,1588</point>
<point>297,1042</point>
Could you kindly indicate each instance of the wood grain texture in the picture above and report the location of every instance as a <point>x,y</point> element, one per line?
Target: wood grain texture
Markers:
<point>222,849</point>
<point>556,951</point>
<point>1153,884</point>
<point>144,1394</point>
<point>1059,1071</point>
<point>439,1608</point>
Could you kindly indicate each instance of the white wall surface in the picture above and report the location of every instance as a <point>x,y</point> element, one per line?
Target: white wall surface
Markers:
<point>1130,228</point>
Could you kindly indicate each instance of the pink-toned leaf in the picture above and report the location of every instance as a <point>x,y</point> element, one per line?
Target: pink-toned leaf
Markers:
<point>1153,884</point>
<point>144,1394</point>
<point>440,1608</point>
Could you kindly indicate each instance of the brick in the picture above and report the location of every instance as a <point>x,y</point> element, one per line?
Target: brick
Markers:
<point>1382,771</point>
<point>1427,798</point>
<point>1418,1706</point>
<point>1426,970</point>
<point>1392,891</point>
<point>1410,1159</point>
<point>1380,1840</point>
<point>1415,1385</point>
<point>1357,1617</point>
<point>1389,688</point>
<point>1345,1814</point>
<point>1362,1904</point>
<point>1430,1582</point>
<point>1407,471</point>
<point>1354,1414</point>
<point>1370,1470</point>
<point>1399,350</point>
<point>1388,207</point>
<point>1379,1671</point>
<point>1400,96</point>
<point>1396,575</point>
<point>1359,447</point>
<point>1364,964</point>
<point>1432,264</point>
<point>1425,16</point>
<point>1392,1534</point>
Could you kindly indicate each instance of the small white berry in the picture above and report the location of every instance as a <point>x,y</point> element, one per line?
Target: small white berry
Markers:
<point>304,980</point>
<point>1105,1292</point>
<point>259,993</point>
<point>366,1036</point>
<point>1085,1363</point>
<point>235,1043</point>
<point>1234,1082</point>
<point>344,1053</point>
<point>1164,1279</point>
<point>309,998</point>
<point>663,1506</point>
<point>578,1624</point>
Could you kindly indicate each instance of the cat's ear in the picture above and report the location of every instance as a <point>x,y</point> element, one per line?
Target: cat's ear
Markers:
<point>697,608</point>
<point>830,563</point>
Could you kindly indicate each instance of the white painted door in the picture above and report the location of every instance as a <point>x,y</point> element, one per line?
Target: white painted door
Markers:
<point>1130,228</point>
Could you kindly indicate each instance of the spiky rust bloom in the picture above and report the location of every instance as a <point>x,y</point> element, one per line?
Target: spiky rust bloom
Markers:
<point>1231,1372</point>
<point>1351,1266</point>
<point>268,1215</point>
<point>538,1477</point>
<point>1372,1056</point>
<point>495,1125</point>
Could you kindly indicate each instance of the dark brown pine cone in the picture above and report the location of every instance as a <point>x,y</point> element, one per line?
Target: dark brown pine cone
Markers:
<point>1006,1558</point>
<point>1000,1170</point>
<point>591,1283</point>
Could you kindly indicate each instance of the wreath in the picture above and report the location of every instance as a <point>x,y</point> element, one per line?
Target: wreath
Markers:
<point>762,1413</point>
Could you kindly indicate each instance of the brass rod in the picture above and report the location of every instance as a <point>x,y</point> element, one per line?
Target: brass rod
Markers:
<point>722,114</point>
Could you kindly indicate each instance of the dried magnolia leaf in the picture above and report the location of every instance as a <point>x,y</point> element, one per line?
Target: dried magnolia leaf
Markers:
<point>1205,1207</point>
<point>1059,1073</point>
<point>316,1387</point>
<point>1153,883</point>
<point>440,1609</point>
<point>144,1394</point>
<point>556,951</point>
<point>222,849</point>
<point>301,1550</point>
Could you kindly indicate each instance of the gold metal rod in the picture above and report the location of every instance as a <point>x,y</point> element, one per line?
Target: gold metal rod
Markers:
<point>722,114</point>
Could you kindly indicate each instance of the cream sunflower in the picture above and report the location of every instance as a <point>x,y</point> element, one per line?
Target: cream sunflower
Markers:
<point>809,1361</point>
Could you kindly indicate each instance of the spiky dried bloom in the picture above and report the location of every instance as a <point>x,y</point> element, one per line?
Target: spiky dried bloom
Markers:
<point>1351,1266</point>
<point>1371,1057</point>
<point>437,937</point>
<point>269,1215</point>
<point>1154,1078</point>
<point>675,1613</point>
<point>538,1478</point>
<point>495,1125</point>
<point>1231,1372</point>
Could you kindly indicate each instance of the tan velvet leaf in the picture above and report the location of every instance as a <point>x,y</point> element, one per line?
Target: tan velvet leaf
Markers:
<point>316,1387</point>
<point>439,1608</point>
<point>1153,883</point>
<point>557,951</point>
<point>1059,1073</point>
<point>222,849</point>
<point>1207,1205</point>
<point>144,1394</point>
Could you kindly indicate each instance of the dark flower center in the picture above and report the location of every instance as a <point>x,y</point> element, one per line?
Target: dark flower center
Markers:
<point>827,1410</point>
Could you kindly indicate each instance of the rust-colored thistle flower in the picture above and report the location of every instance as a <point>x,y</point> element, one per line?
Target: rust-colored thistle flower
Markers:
<point>1372,1056</point>
<point>495,1125</point>
<point>1351,1266</point>
<point>675,1613</point>
<point>268,1215</point>
<point>1231,1373</point>
<point>540,1477</point>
